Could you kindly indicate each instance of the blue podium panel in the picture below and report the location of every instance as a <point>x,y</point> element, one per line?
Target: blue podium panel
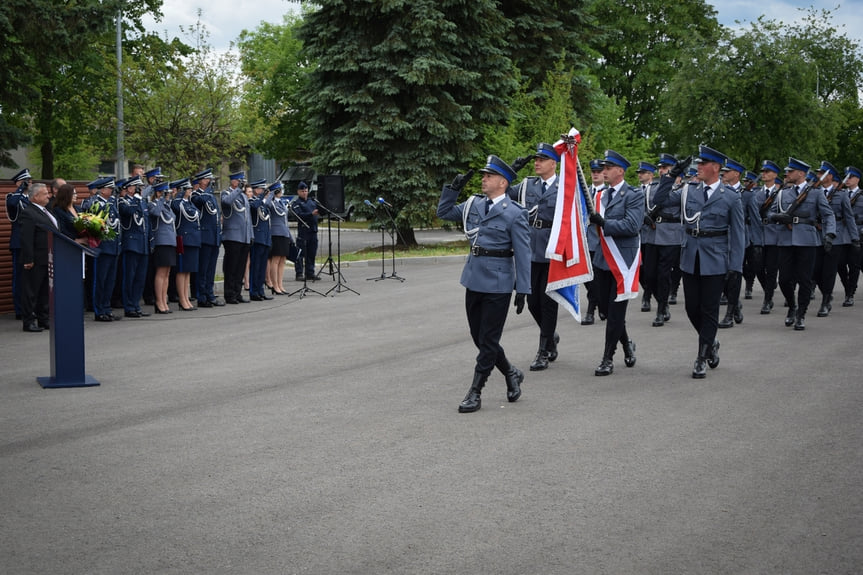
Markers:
<point>66,305</point>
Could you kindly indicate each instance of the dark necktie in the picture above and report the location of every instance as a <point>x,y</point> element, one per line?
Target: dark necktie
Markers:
<point>544,187</point>
<point>488,204</point>
<point>706,194</point>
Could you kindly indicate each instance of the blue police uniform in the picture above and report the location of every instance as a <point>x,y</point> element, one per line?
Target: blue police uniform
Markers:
<point>855,254</point>
<point>592,245</point>
<point>105,263</point>
<point>237,237</point>
<point>829,263</point>
<point>211,238</point>
<point>769,267</point>
<point>15,203</point>
<point>795,216</point>
<point>499,261</point>
<point>188,234</point>
<point>307,236</point>
<point>136,251</point>
<point>260,251</point>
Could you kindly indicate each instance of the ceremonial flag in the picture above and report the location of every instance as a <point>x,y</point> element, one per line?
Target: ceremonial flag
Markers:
<point>567,251</point>
<point>625,275</point>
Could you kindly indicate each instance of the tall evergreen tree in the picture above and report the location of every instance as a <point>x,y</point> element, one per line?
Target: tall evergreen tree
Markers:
<point>402,92</point>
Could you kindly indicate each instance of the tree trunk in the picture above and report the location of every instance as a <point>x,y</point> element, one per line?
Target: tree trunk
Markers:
<point>407,238</point>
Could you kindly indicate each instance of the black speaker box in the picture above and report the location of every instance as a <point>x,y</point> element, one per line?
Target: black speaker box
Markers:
<point>331,193</point>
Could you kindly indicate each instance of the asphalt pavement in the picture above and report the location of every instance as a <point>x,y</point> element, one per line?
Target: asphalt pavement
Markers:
<point>321,435</point>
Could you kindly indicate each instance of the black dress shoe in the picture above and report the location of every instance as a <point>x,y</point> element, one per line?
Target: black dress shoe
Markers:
<point>217,302</point>
<point>789,317</point>
<point>143,314</point>
<point>629,353</point>
<point>602,316</point>
<point>748,293</point>
<point>299,278</point>
<point>256,297</point>
<point>699,369</point>
<point>266,297</point>
<point>241,299</point>
<point>231,301</point>
<point>645,304</point>
<point>672,299</point>
<point>588,319</point>
<point>103,317</point>
<point>32,327</point>
<point>513,384</point>
<point>738,314</point>
<point>552,349</point>
<point>659,320</point>
<point>727,321</point>
<point>799,324</point>
<point>849,301</point>
<point>205,304</point>
<point>713,355</point>
<point>115,317</point>
<point>723,299</point>
<point>766,307</point>
<point>132,314</point>
<point>605,367</point>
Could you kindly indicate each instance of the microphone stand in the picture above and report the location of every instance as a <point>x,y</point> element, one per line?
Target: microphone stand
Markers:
<point>329,260</point>
<point>393,234</point>
<point>305,289</point>
<point>341,285</point>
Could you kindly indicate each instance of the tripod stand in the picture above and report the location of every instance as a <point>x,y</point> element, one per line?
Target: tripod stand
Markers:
<point>335,268</point>
<point>393,233</point>
<point>305,289</point>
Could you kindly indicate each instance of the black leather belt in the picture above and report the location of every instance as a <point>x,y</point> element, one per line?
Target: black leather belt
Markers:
<point>478,251</point>
<point>667,220</point>
<point>696,233</point>
<point>541,224</point>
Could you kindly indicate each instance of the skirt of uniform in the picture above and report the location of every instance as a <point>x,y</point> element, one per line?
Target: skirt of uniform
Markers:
<point>164,257</point>
<point>281,246</point>
<point>187,262</point>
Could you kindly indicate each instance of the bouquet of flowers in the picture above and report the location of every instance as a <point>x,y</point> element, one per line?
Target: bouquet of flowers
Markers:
<point>93,225</point>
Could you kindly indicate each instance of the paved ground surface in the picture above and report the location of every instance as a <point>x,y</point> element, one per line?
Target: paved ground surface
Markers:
<point>320,435</point>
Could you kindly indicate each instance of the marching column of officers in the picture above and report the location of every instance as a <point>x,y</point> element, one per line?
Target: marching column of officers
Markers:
<point>164,233</point>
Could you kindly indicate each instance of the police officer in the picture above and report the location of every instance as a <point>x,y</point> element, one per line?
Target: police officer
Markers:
<point>260,251</point>
<point>855,258</point>
<point>105,263</point>
<point>619,215</point>
<point>713,246</point>
<point>764,198</point>
<point>281,238</point>
<point>16,202</point>
<point>236,237</point>
<point>755,237</point>
<point>211,237</point>
<point>539,195</point>
<point>135,246</point>
<point>150,178</point>
<point>829,262</point>
<point>665,240</point>
<point>306,210</point>
<point>794,213</point>
<point>499,261</point>
<point>188,242</point>
<point>163,249</point>
<point>645,173</point>
<point>597,184</point>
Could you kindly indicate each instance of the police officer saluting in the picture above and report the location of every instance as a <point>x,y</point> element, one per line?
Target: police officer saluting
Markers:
<point>236,237</point>
<point>135,246</point>
<point>499,261</point>
<point>15,203</point>
<point>211,237</point>
<point>260,252</point>
<point>105,264</point>
<point>539,195</point>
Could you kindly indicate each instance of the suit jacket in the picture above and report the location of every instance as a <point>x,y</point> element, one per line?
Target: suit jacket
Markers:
<point>211,217</point>
<point>856,202</point>
<point>16,203</point>
<point>722,211</point>
<point>846,227</point>
<point>505,227</point>
<point>237,223</point>
<point>752,218</point>
<point>592,233</point>
<point>540,208</point>
<point>261,220</point>
<point>804,232</point>
<point>278,217</point>
<point>188,224</point>
<point>34,235</point>
<point>162,222</point>
<point>624,216</point>
<point>133,218</point>
<point>769,230</point>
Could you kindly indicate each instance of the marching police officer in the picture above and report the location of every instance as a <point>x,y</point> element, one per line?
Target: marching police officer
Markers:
<point>15,203</point>
<point>237,237</point>
<point>713,246</point>
<point>211,237</point>
<point>769,267</point>
<point>645,173</point>
<point>855,257</point>
<point>619,216</point>
<point>135,246</point>
<point>597,184</point>
<point>539,195</point>
<point>794,212</point>
<point>499,261</point>
<point>105,263</point>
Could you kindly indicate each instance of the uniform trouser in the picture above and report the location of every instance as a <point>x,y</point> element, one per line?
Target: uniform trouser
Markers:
<point>260,253</point>
<point>702,293</point>
<point>768,271</point>
<point>751,264</point>
<point>541,307</point>
<point>16,281</point>
<point>305,264</point>
<point>795,270</point>
<point>34,293</point>
<point>104,277</point>
<point>592,291</point>
<point>234,268</point>
<point>731,289</point>
<point>207,260</point>
<point>134,277</point>
<point>656,270</point>
<point>855,262</point>
<point>486,316</point>
<point>615,311</point>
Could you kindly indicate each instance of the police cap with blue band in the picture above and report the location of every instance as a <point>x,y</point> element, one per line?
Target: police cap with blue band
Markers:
<point>795,164</point>
<point>707,154</point>
<point>646,167</point>
<point>667,160</point>
<point>770,167</point>
<point>494,165</point>
<point>828,167</point>
<point>547,151</point>
<point>852,171</point>
<point>612,158</point>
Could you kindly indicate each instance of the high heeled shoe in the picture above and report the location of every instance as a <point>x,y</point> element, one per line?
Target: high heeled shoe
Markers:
<point>157,310</point>
<point>272,289</point>
<point>190,308</point>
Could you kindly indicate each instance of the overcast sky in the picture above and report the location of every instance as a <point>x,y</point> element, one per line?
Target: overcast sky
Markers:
<point>225,19</point>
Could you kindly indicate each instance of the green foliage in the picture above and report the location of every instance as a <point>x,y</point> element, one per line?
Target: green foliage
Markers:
<point>402,93</point>
<point>181,112</point>
<point>275,72</point>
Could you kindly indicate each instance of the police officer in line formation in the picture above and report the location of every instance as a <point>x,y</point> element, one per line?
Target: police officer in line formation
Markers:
<point>162,226</point>
<point>597,179</point>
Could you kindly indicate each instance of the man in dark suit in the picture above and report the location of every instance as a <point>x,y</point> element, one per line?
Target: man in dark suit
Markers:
<point>619,216</point>
<point>35,222</point>
<point>499,262</point>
